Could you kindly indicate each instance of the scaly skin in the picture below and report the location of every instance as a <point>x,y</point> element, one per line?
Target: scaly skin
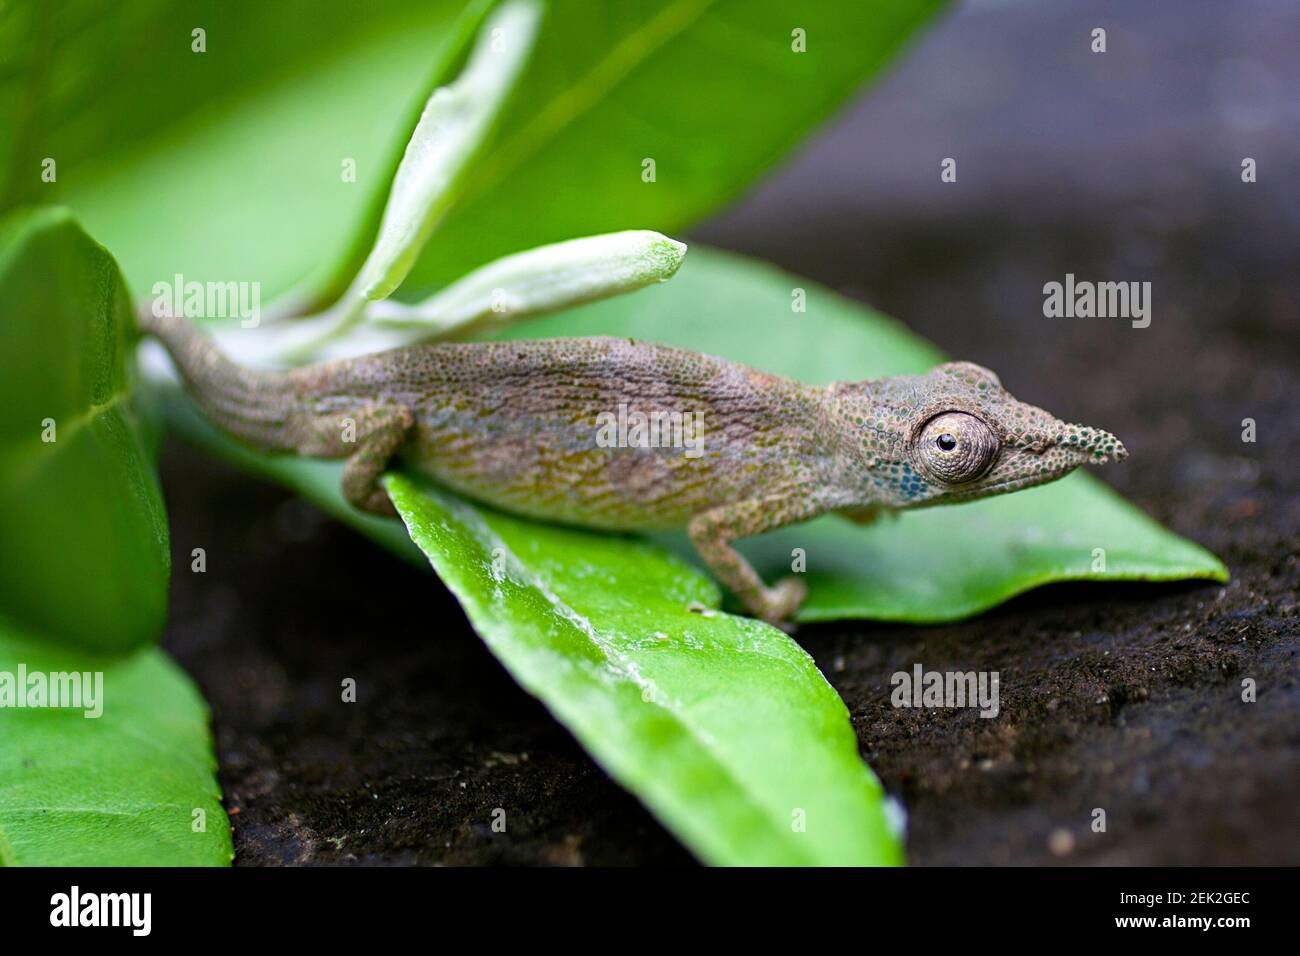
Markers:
<point>516,425</point>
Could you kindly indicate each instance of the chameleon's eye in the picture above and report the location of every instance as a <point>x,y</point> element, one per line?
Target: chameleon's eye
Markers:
<point>955,447</point>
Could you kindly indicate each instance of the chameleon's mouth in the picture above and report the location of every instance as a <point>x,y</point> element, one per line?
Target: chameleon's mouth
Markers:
<point>1005,485</point>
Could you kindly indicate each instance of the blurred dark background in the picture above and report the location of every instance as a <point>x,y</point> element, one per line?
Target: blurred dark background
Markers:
<point>1117,166</point>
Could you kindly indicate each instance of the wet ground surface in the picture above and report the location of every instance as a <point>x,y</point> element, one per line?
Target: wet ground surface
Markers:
<point>1126,699</point>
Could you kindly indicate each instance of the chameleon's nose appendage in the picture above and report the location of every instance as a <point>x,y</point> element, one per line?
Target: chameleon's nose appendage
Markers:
<point>1094,445</point>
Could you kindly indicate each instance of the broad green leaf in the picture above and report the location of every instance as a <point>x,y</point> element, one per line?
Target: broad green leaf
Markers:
<point>233,164</point>
<point>713,92</point>
<point>943,564</point>
<point>83,535</point>
<point>118,789</point>
<point>226,165</point>
<point>721,724</point>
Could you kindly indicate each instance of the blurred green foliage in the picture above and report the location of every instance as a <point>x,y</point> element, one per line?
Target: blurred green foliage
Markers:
<point>227,164</point>
<point>134,786</point>
<point>83,535</point>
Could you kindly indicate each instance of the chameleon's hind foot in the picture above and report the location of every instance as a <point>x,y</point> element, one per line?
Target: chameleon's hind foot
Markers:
<point>778,604</point>
<point>380,430</point>
<point>378,503</point>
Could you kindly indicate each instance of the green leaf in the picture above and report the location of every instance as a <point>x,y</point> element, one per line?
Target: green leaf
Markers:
<point>226,165</point>
<point>711,90</point>
<point>84,560</point>
<point>83,535</point>
<point>721,724</point>
<point>120,789</point>
<point>745,731</point>
<point>944,564</point>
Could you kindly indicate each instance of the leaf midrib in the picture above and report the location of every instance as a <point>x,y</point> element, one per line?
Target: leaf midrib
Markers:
<point>582,96</point>
<point>29,457</point>
<point>618,660</point>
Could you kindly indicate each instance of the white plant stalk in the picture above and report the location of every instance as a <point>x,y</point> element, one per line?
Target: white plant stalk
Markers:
<point>452,127</point>
<point>455,121</point>
<point>544,279</point>
<point>541,280</point>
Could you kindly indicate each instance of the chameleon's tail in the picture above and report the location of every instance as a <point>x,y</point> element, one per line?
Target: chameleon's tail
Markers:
<point>251,404</point>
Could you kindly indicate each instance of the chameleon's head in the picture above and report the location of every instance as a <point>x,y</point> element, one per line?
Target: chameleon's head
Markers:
<point>956,434</point>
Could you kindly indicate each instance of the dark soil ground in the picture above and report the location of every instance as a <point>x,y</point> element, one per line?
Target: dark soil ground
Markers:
<point>1124,698</point>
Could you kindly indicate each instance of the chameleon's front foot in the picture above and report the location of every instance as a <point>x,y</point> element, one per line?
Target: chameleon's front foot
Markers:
<point>777,605</point>
<point>713,531</point>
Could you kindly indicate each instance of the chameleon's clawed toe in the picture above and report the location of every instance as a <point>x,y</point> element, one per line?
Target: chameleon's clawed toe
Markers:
<point>378,503</point>
<point>778,604</point>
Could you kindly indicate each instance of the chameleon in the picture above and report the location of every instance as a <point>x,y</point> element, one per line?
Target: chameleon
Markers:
<point>563,430</point>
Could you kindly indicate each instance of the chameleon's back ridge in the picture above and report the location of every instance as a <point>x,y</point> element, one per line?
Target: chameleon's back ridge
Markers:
<point>600,432</point>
